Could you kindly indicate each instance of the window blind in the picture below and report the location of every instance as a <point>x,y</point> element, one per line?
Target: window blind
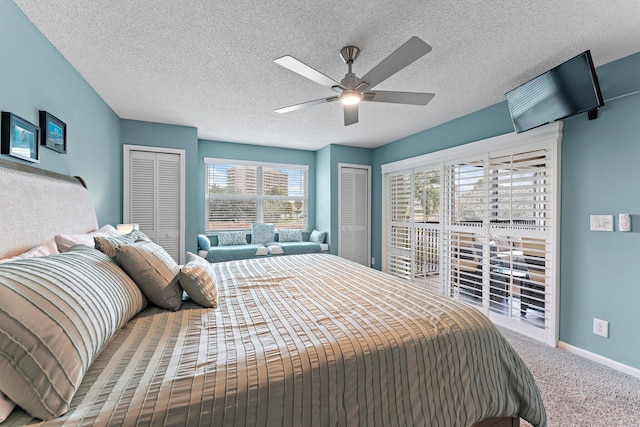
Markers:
<point>241,193</point>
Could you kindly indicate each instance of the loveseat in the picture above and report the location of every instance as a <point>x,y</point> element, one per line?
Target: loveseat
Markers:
<point>262,241</point>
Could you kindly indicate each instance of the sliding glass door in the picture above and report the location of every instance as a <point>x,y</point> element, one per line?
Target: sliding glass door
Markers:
<point>480,228</point>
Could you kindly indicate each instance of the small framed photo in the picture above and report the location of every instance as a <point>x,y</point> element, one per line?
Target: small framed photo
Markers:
<point>20,138</point>
<point>54,132</point>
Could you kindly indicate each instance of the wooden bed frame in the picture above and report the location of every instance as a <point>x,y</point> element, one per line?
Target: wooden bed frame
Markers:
<point>40,234</point>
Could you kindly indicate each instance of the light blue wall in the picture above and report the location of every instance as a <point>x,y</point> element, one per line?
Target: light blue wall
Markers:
<point>170,136</point>
<point>227,150</point>
<point>323,192</point>
<point>34,76</point>
<point>599,271</point>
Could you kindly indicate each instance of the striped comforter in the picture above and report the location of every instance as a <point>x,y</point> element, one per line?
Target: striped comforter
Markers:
<point>306,340</point>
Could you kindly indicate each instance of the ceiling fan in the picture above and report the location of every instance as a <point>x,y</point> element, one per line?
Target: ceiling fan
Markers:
<point>352,89</point>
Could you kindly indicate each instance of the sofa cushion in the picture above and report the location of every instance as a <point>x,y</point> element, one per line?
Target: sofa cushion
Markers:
<point>318,236</point>
<point>203,242</point>
<point>235,252</point>
<point>294,248</point>
<point>229,238</point>
<point>262,233</point>
<point>197,279</point>
<point>154,271</point>
<point>289,235</point>
<point>57,312</point>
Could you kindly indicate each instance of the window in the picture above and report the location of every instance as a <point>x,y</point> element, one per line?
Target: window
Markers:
<point>239,193</point>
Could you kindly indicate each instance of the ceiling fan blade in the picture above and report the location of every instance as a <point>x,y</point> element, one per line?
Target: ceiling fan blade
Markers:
<point>412,98</point>
<point>305,104</point>
<point>409,52</point>
<point>350,114</point>
<point>304,70</point>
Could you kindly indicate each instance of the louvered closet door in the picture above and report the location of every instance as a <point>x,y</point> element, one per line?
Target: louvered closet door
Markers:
<point>354,214</point>
<point>156,194</point>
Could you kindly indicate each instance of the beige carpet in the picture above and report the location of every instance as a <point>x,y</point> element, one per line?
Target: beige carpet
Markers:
<point>577,391</point>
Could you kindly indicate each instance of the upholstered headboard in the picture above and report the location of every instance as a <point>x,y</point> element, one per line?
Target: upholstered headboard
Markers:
<point>35,205</point>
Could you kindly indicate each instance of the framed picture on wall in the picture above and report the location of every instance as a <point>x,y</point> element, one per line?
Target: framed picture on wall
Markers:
<point>54,132</point>
<point>20,138</point>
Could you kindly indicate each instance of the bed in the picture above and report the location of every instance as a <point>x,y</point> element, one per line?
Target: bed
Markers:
<point>298,340</point>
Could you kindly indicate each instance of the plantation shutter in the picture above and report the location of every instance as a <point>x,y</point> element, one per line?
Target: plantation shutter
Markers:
<point>495,242</point>
<point>154,194</point>
<point>400,216</point>
<point>464,239</point>
<point>521,197</point>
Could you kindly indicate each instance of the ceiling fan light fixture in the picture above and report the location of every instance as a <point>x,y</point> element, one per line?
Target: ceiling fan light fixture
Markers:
<point>350,97</point>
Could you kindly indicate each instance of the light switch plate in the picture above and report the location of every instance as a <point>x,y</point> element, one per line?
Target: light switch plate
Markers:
<point>601,223</point>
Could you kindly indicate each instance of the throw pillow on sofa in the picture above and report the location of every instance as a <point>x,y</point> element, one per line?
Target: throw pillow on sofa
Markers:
<point>317,236</point>
<point>289,235</point>
<point>204,244</point>
<point>262,233</point>
<point>229,238</point>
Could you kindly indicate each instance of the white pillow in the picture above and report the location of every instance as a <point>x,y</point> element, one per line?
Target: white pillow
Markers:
<point>67,241</point>
<point>47,248</point>
<point>6,406</point>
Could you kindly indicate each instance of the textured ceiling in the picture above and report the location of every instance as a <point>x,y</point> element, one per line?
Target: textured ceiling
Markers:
<point>209,64</point>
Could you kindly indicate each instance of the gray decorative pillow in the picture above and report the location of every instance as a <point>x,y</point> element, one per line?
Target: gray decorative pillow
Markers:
<point>154,271</point>
<point>228,238</point>
<point>317,236</point>
<point>197,279</point>
<point>57,312</point>
<point>108,244</point>
<point>262,233</point>
<point>138,236</point>
<point>289,235</point>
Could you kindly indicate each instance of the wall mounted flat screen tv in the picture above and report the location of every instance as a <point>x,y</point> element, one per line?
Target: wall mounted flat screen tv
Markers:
<point>570,88</point>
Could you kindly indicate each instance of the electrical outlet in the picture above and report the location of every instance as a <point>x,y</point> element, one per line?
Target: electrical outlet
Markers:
<point>601,327</point>
<point>373,261</point>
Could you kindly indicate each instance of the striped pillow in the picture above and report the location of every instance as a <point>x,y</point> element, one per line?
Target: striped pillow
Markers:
<point>154,271</point>
<point>197,279</point>
<point>56,314</point>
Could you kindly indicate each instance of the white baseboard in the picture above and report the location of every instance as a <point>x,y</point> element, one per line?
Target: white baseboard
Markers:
<point>629,370</point>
